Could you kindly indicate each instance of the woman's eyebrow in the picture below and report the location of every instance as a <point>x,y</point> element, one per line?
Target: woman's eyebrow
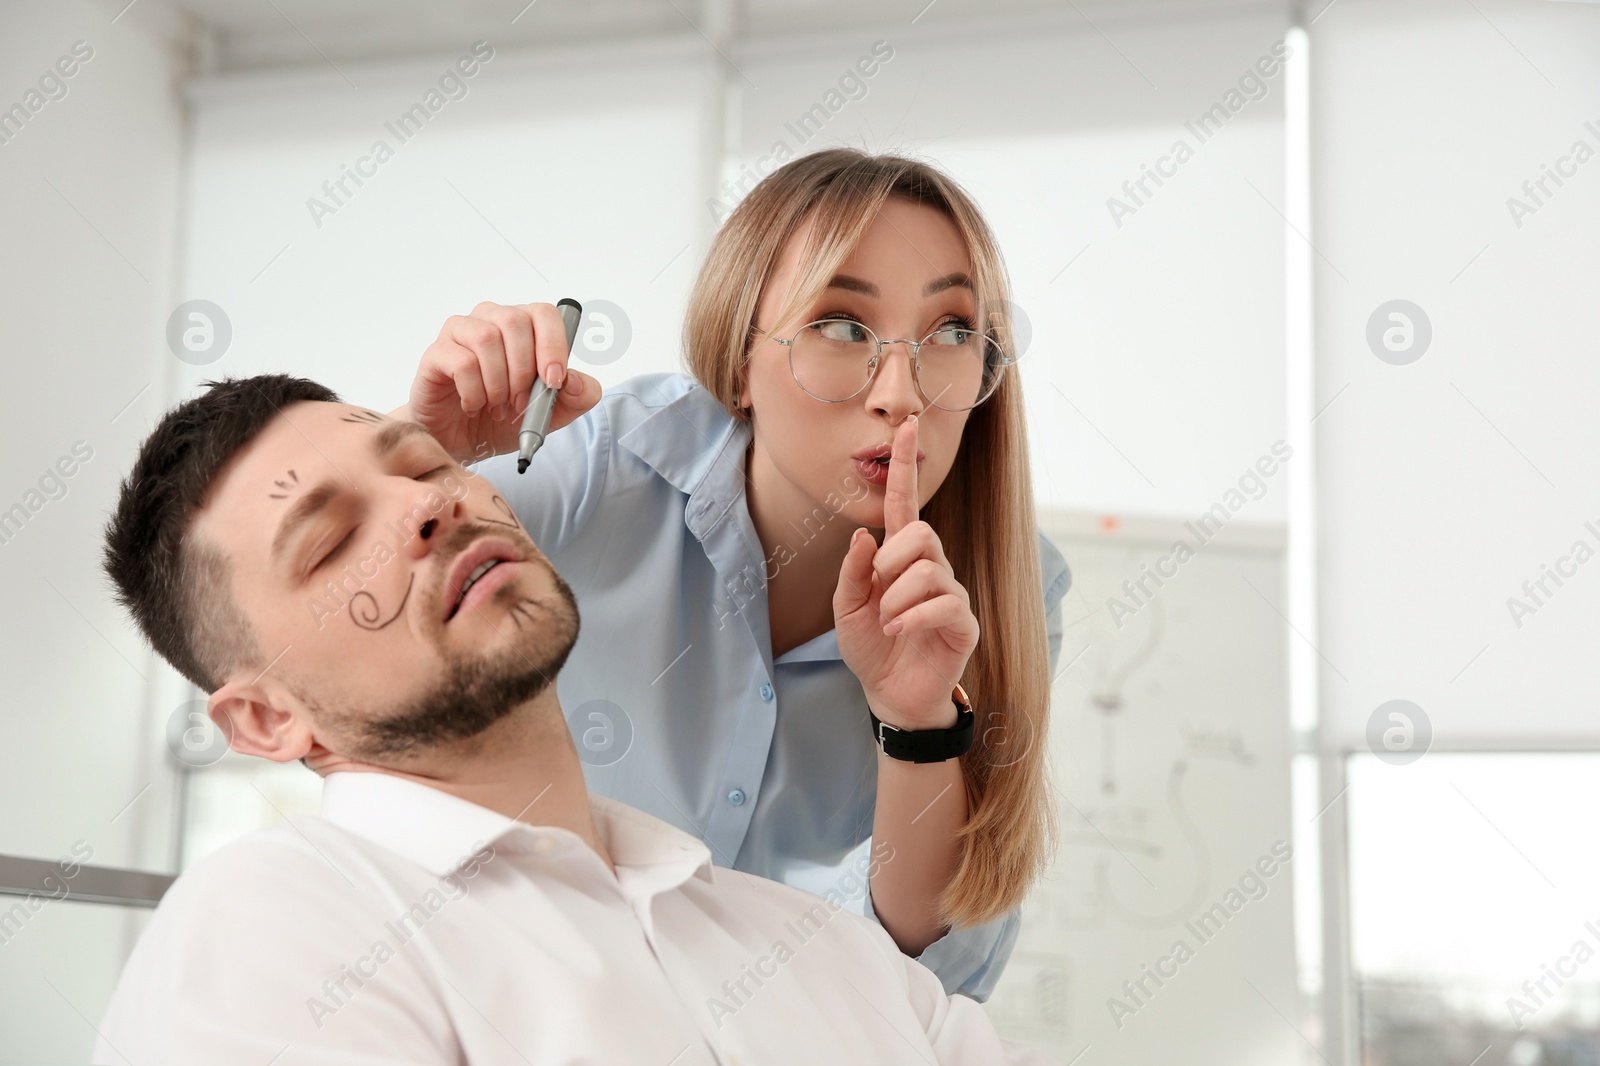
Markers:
<point>933,288</point>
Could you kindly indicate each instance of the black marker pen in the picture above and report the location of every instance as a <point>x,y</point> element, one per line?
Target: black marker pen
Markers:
<point>542,400</point>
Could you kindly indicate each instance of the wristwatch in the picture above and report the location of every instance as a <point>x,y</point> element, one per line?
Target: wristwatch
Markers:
<point>928,745</point>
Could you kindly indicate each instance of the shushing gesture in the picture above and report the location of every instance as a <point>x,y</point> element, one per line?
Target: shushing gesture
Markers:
<point>904,623</point>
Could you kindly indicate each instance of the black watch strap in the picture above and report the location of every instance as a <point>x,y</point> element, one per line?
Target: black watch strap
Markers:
<point>928,745</point>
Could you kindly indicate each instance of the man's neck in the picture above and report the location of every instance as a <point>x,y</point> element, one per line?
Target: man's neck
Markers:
<point>524,767</point>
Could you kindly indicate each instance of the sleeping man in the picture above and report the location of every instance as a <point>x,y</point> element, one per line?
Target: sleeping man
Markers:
<point>339,585</point>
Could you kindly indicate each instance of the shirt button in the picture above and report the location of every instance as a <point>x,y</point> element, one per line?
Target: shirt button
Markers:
<point>544,845</point>
<point>766,693</point>
<point>736,797</point>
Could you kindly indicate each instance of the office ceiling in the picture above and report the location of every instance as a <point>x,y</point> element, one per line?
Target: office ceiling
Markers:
<point>255,34</point>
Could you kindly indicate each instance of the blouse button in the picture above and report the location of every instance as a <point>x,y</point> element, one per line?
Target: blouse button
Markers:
<point>766,693</point>
<point>736,797</point>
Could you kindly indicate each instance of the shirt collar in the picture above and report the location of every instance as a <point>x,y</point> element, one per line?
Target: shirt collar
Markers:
<point>685,441</point>
<point>440,832</point>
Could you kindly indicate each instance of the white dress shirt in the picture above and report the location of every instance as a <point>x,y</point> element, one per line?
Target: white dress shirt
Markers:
<point>406,925</point>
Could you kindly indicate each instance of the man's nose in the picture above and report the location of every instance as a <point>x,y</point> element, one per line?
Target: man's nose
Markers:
<point>425,516</point>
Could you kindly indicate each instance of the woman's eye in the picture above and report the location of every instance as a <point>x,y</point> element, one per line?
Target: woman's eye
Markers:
<point>956,332</point>
<point>840,330</point>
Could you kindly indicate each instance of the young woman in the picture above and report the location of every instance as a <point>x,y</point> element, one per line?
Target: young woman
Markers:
<point>850,366</point>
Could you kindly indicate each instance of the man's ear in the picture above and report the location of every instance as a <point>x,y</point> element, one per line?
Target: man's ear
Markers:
<point>254,725</point>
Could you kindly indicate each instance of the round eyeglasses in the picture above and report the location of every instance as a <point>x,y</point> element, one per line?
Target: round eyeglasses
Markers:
<point>955,367</point>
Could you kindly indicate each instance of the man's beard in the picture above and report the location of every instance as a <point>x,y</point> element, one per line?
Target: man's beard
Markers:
<point>477,691</point>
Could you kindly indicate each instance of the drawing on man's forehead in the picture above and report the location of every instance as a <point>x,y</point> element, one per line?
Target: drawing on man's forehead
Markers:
<point>364,416</point>
<point>286,486</point>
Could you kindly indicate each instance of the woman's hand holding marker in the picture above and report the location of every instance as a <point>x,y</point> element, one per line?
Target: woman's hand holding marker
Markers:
<point>903,621</point>
<point>473,383</point>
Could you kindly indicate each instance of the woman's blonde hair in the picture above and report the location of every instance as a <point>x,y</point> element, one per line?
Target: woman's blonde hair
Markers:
<point>982,512</point>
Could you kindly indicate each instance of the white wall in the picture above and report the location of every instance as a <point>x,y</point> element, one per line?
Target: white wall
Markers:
<point>88,209</point>
<point>572,176</point>
<point>1448,482</point>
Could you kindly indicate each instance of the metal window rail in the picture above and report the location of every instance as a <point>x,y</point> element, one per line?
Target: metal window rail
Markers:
<point>90,884</point>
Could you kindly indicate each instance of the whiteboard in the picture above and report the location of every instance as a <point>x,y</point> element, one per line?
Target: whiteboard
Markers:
<point>1170,746</point>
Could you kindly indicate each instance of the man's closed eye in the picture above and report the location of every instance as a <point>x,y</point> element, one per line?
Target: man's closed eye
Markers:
<point>340,547</point>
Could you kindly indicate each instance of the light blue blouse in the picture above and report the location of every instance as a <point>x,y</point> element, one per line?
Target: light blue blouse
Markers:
<point>671,692</point>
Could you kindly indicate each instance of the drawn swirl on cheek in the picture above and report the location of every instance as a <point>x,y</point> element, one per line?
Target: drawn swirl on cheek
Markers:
<point>505,509</point>
<point>364,608</point>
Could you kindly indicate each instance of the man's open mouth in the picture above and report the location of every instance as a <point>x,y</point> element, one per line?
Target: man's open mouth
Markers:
<point>472,566</point>
<point>472,579</point>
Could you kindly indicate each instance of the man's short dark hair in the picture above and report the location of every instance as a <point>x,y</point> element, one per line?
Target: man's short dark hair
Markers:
<point>177,587</point>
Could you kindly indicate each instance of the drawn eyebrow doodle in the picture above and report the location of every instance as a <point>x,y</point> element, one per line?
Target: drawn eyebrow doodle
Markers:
<point>368,618</point>
<point>363,416</point>
<point>505,508</point>
<point>285,486</point>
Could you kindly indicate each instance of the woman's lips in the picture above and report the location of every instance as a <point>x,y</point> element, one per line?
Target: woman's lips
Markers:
<point>876,473</point>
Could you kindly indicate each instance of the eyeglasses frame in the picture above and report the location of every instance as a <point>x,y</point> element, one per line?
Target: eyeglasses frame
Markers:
<point>877,358</point>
